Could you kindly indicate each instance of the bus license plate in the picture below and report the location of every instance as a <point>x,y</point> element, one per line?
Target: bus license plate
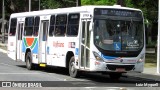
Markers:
<point>120,69</point>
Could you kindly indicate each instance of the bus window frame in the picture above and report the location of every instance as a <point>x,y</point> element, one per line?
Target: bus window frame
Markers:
<point>52,24</point>
<point>75,25</point>
<point>60,24</point>
<point>13,27</point>
<point>31,25</point>
<point>36,26</point>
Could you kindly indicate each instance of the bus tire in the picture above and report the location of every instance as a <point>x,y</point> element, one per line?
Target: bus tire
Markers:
<point>73,72</point>
<point>115,76</point>
<point>29,63</point>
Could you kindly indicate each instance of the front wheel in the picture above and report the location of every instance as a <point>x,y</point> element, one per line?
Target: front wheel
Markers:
<point>73,72</point>
<point>29,63</point>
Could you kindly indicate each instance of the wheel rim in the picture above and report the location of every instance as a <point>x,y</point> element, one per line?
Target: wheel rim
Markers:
<point>72,68</point>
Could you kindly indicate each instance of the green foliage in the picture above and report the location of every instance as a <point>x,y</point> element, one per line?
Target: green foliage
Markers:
<point>50,4</point>
<point>129,3</point>
<point>151,44</point>
<point>98,2</point>
<point>149,7</point>
<point>151,58</point>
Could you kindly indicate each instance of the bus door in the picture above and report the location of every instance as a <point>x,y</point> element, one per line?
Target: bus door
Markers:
<point>19,40</point>
<point>43,41</point>
<point>12,44</point>
<point>85,44</point>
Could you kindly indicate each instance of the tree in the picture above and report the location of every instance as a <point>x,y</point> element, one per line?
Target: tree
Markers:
<point>50,4</point>
<point>149,8</point>
<point>98,2</point>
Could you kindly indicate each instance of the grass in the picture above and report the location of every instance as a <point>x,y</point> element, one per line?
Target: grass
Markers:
<point>151,60</point>
<point>3,47</point>
<point>149,65</point>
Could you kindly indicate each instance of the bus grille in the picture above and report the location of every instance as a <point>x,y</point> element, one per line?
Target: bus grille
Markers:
<point>126,67</point>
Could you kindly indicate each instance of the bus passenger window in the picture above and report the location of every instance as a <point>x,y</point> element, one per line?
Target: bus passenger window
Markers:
<point>28,29</point>
<point>61,21</point>
<point>36,26</point>
<point>60,30</point>
<point>51,30</point>
<point>72,30</point>
<point>13,25</point>
<point>52,25</point>
<point>57,32</point>
<point>73,24</point>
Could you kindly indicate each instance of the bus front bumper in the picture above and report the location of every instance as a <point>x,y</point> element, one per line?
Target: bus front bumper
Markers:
<point>116,67</point>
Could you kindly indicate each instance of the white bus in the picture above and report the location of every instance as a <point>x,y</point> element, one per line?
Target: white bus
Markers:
<point>108,39</point>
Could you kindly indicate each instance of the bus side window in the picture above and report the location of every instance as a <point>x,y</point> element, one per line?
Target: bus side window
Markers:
<point>52,25</point>
<point>13,24</point>
<point>36,26</point>
<point>28,29</point>
<point>73,24</point>
<point>61,21</point>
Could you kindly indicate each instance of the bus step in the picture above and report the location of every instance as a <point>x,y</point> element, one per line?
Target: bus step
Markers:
<point>42,65</point>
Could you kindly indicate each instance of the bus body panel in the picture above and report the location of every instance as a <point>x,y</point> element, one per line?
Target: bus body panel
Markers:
<point>102,65</point>
<point>19,38</point>
<point>54,49</point>
<point>42,38</point>
<point>12,47</point>
<point>58,48</point>
<point>15,41</point>
<point>32,44</point>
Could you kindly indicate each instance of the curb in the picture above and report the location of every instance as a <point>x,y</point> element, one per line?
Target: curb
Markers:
<point>3,45</point>
<point>3,51</point>
<point>151,71</point>
<point>156,74</point>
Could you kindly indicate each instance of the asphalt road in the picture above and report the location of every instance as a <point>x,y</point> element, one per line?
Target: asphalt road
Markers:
<point>16,72</point>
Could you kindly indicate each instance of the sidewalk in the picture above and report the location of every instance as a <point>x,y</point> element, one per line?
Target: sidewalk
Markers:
<point>3,44</point>
<point>3,47</point>
<point>150,70</point>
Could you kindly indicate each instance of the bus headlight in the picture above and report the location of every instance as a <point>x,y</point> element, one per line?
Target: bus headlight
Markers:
<point>141,58</point>
<point>97,56</point>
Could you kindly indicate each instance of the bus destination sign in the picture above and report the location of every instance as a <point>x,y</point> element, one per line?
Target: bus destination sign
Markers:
<point>117,12</point>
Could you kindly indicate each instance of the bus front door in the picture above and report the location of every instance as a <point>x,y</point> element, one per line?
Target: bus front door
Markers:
<point>42,42</point>
<point>19,40</point>
<point>85,44</point>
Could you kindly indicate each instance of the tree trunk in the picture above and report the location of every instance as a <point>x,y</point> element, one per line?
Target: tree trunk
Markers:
<point>78,3</point>
<point>1,8</point>
<point>1,14</point>
<point>121,2</point>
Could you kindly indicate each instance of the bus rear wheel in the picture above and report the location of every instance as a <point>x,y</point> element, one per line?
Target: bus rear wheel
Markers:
<point>73,72</point>
<point>29,63</point>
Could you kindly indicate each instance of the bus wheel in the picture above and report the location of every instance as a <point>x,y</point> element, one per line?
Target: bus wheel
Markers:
<point>29,64</point>
<point>115,76</point>
<point>73,72</point>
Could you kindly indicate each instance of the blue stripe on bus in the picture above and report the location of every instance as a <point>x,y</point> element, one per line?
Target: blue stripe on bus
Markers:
<point>23,47</point>
<point>35,49</point>
<point>76,51</point>
<point>108,57</point>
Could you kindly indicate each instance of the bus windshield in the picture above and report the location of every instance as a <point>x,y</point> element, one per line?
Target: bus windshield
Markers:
<point>118,35</point>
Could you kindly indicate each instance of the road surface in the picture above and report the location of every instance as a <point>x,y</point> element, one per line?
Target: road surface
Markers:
<point>16,72</point>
